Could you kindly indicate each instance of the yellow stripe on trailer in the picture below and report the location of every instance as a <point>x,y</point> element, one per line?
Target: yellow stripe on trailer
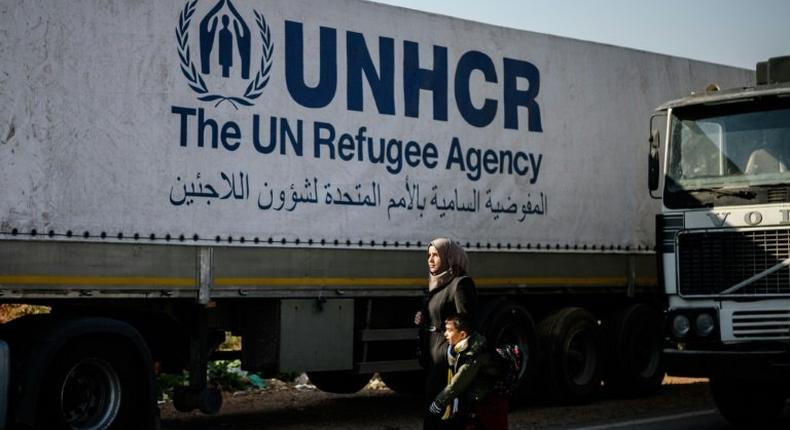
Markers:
<point>309,281</point>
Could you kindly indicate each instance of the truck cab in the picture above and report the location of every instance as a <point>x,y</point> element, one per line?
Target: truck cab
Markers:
<point>723,240</point>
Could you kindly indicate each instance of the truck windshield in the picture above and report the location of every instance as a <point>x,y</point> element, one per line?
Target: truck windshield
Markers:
<point>723,154</point>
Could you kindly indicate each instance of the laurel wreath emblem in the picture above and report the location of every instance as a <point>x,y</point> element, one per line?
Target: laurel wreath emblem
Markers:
<point>195,79</point>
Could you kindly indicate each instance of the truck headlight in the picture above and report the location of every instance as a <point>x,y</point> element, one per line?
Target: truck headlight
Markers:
<point>680,326</point>
<point>704,324</point>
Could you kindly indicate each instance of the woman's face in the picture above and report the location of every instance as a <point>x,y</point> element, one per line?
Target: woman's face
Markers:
<point>434,260</point>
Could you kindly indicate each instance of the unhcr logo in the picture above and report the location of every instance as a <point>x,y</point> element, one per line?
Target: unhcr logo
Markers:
<point>225,47</point>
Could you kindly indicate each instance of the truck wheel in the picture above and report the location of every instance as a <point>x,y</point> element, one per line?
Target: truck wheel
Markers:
<point>92,386</point>
<point>511,323</point>
<point>752,404</point>
<point>408,383</point>
<point>633,337</point>
<point>571,347</point>
<point>339,381</point>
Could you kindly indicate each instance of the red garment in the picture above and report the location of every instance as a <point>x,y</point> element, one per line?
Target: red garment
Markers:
<point>489,414</point>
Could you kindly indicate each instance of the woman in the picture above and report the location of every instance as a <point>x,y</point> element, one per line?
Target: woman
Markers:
<point>450,292</point>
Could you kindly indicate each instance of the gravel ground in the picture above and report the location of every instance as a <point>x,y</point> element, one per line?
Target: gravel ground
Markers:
<point>301,406</point>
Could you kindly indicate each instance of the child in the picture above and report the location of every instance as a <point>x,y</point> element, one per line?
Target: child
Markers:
<point>468,401</point>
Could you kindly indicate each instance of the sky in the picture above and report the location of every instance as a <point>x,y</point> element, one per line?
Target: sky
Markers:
<point>730,32</point>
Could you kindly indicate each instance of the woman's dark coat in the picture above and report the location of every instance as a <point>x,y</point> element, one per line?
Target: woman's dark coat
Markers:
<point>457,297</point>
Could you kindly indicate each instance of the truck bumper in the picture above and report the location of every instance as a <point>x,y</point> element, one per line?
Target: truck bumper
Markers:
<point>704,363</point>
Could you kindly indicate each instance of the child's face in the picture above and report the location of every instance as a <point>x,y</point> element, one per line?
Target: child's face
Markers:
<point>452,334</point>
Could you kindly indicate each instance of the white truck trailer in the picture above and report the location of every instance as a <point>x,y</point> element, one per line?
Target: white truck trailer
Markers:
<point>173,171</point>
<point>725,242</point>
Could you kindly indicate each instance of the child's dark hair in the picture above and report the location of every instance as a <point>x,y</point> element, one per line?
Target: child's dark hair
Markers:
<point>460,322</point>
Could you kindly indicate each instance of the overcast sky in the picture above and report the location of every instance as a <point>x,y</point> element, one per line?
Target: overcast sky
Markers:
<point>731,32</point>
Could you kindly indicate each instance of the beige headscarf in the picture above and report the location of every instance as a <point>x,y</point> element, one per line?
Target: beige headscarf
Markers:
<point>454,262</point>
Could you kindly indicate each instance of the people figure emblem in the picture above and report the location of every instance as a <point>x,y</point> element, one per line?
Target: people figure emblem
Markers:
<point>225,47</point>
<point>225,39</point>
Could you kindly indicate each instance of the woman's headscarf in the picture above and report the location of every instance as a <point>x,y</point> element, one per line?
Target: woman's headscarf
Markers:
<point>454,262</point>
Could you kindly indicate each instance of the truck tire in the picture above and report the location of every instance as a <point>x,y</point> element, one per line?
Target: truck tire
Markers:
<point>633,337</point>
<point>748,404</point>
<point>511,323</point>
<point>408,383</point>
<point>92,386</point>
<point>339,381</point>
<point>571,355</point>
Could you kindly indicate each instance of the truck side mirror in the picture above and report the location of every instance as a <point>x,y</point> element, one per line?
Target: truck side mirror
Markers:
<point>653,164</point>
<point>654,153</point>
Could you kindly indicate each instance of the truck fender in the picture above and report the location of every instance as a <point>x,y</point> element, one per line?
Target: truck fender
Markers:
<point>54,336</point>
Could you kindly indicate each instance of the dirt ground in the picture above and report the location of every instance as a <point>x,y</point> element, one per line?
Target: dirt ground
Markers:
<point>301,406</point>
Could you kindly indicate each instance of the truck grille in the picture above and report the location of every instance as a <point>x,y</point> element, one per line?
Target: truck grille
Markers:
<point>761,325</point>
<point>710,262</point>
